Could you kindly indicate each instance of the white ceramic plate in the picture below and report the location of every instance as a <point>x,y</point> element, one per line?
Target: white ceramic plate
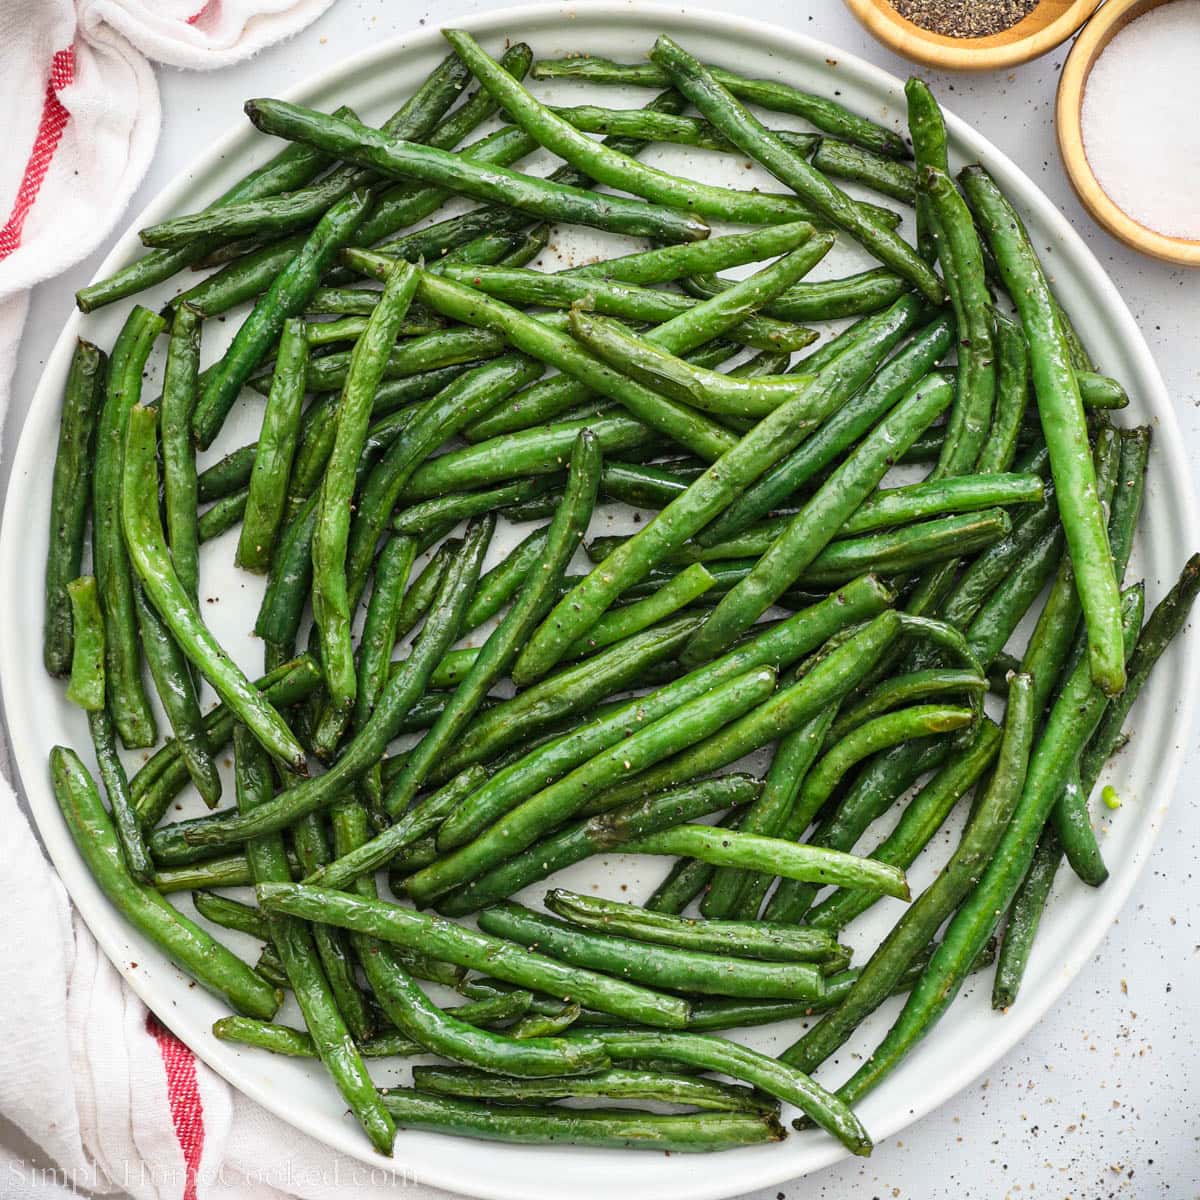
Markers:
<point>971,1037</point>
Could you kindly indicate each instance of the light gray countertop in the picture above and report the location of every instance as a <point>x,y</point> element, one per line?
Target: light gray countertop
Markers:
<point>1098,1100</point>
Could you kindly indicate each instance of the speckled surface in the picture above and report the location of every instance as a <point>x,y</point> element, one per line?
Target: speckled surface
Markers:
<point>1098,1101</point>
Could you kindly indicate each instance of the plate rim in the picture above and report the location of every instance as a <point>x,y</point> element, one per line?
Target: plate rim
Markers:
<point>105,923</point>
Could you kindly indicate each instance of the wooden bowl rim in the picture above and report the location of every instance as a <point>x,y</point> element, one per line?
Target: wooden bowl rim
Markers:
<point>968,54</point>
<point>1090,44</point>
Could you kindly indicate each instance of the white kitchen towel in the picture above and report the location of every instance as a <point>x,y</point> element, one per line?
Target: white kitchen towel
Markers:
<point>82,117</point>
<point>114,1102</point>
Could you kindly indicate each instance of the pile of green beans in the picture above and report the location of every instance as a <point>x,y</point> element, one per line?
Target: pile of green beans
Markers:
<point>771,575</point>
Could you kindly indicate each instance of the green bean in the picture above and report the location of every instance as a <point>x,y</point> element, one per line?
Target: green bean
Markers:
<point>692,327</point>
<point>617,1084</point>
<point>1012,395</point>
<point>1160,628</point>
<point>150,557</point>
<point>193,950</point>
<point>716,103</point>
<point>542,342</point>
<point>423,590</point>
<point>294,942</point>
<point>392,570</point>
<point>625,1129</point>
<point>290,169</point>
<point>522,825</point>
<point>666,263</point>
<point>505,643</point>
<point>611,167</point>
<point>134,852</point>
<point>230,870</point>
<point>616,298</point>
<point>814,691</point>
<point>1049,646</point>
<point>839,378</point>
<point>928,130</point>
<point>879,733</point>
<point>407,829</point>
<point>962,493</point>
<point>403,204</point>
<point>242,279</point>
<point>70,490</point>
<point>576,689</point>
<point>706,390</point>
<point>1023,919</point>
<point>686,879</point>
<point>741,939</point>
<point>1061,412</point>
<point>570,620</point>
<point>180,487</point>
<point>438,512</point>
<point>799,546</point>
<point>437,419</point>
<point>664,127</point>
<point>821,300</point>
<point>455,943</point>
<point>403,159</point>
<point>751,851</point>
<point>436,240</point>
<point>878,172</point>
<point>311,843</point>
<point>368,744</point>
<point>222,516</point>
<point>740,893</point>
<point>227,475</point>
<point>177,691</point>
<point>275,451</point>
<point>86,686</point>
<point>605,831</point>
<point>331,595</point>
<point>282,1039</point>
<point>1073,718</point>
<point>529,453</point>
<point>738,1062</point>
<point>916,827</point>
<point>879,786</point>
<point>778,647</point>
<point>825,114</point>
<point>957,246</point>
<point>417,356</point>
<point>658,965</point>
<point>285,298</point>
<point>232,914</point>
<point>125,693</point>
<point>298,209</point>
<point>955,882</point>
<point>498,586</point>
<point>1099,391</point>
<point>916,545</point>
<point>164,774</point>
<point>900,689</point>
<point>690,584</point>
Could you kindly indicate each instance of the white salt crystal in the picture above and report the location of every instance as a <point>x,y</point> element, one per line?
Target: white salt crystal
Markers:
<point>1141,119</point>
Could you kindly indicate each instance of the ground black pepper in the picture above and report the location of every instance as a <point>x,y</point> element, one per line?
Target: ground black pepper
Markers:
<point>964,18</point>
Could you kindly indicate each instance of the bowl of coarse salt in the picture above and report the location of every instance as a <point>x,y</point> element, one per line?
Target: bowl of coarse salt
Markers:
<point>1128,116</point>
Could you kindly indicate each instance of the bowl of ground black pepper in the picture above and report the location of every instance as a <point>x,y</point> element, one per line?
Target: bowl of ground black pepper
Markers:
<point>972,35</point>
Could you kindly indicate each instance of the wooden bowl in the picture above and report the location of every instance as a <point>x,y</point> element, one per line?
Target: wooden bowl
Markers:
<point>1049,24</point>
<point>1107,23</point>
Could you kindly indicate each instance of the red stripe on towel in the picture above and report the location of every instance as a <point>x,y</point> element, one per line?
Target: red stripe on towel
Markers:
<point>183,1095</point>
<point>50,130</point>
